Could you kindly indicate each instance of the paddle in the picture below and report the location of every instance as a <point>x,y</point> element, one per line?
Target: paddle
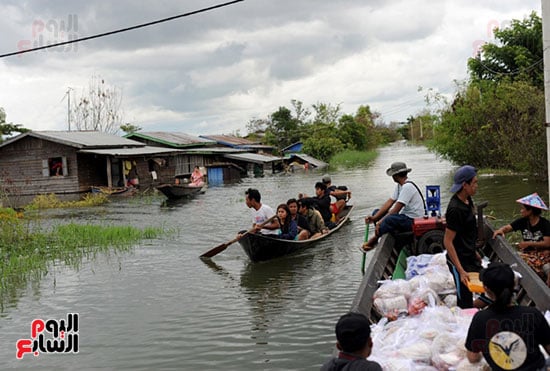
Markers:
<point>364,252</point>
<point>218,249</point>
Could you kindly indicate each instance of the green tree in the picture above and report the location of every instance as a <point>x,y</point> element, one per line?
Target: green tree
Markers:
<point>129,128</point>
<point>495,126</point>
<point>352,133</point>
<point>8,128</point>
<point>517,55</point>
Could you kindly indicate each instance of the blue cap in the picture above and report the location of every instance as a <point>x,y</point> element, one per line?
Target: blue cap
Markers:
<point>463,174</point>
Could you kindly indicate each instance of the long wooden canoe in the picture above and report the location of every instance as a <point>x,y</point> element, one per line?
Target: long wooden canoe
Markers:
<point>177,191</point>
<point>261,247</point>
<point>533,291</point>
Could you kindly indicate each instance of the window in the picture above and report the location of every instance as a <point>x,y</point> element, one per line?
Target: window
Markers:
<point>55,166</point>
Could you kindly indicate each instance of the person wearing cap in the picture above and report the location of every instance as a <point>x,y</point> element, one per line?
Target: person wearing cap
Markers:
<point>354,343</point>
<point>398,212</point>
<point>535,232</point>
<point>461,233</point>
<point>506,335</point>
<point>341,195</point>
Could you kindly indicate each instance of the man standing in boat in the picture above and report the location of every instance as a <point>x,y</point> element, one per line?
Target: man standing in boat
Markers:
<point>261,213</point>
<point>398,212</point>
<point>461,233</point>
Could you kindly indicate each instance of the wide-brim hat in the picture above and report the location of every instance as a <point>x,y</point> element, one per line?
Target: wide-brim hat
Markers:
<point>398,167</point>
<point>533,200</point>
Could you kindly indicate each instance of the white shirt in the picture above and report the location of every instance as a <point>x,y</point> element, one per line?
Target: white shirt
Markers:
<point>409,196</point>
<point>261,215</point>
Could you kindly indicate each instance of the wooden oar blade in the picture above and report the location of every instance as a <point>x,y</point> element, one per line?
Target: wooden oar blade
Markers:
<point>215,251</point>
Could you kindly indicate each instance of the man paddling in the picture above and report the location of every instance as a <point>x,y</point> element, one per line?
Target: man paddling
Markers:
<point>261,213</point>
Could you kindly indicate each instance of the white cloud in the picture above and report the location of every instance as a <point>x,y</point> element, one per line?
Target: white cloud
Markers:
<point>213,72</point>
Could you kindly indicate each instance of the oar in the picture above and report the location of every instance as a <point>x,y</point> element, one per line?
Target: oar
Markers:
<point>218,249</point>
<point>364,253</point>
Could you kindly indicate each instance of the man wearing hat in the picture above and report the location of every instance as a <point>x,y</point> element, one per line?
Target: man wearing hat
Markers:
<point>354,342</point>
<point>398,212</point>
<point>535,232</point>
<point>461,233</point>
<point>506,335</point>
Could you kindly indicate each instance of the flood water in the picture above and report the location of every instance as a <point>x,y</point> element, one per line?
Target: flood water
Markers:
<point>159,306</point>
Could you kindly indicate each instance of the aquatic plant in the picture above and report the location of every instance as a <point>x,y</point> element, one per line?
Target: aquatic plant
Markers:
<point>50,201</point>
<point>351,159</point>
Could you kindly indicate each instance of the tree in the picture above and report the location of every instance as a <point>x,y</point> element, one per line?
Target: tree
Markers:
<point>99,108</point>
<point>495,126</point>
<point>8,128</point>
<point>129,128</point>
<point>518,55</point>
<point>351,133</point>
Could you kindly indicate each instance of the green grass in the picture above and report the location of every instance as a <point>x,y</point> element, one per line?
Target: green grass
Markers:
<point>50,201</point>
<point>27,251</point>
<point>352,159</point>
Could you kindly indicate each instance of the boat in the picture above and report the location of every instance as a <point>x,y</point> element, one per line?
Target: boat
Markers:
<point>532,290</point>
<point>261,247</point>
<point>113,191</point>
<point>176,191</point>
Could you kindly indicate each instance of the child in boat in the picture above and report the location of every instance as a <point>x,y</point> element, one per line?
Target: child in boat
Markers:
<point>289,227</point>
<point>535,230</point>
<point>354,342</point>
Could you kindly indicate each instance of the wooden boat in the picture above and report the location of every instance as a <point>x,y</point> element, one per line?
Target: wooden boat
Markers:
<point>260,247</point>
<point>176,191</point>
<point>532,292</point>
<point>114,191</point>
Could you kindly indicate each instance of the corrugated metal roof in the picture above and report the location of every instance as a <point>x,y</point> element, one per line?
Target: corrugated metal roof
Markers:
<point>213,150</point>
<point>79,139</point>
<point>312,160</point>
<point>253,157</point>
<point>146,150</point>
<point>229,140</point>
<point>174,139</point>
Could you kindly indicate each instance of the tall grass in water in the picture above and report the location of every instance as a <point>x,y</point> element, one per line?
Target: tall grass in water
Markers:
<point>28,251</point>
<point>351,159</point>
<point>51,201</point>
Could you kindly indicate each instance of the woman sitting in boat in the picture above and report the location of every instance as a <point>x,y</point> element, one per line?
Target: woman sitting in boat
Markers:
<point>535,230</point>
<point>304,230</point>
<point>289,227</point>
<point>197,179</point>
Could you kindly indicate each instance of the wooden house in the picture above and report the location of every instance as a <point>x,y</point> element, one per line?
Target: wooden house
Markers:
<point>69,163</point>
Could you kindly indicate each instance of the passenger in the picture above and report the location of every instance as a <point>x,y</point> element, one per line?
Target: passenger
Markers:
<point>507,335</point>
<point>314,219</point>
<point>461,233</point>
<point>197,179</point>
<point>398,212</point>
<point>341,196</point>
<point>289,227</point>
<point>535,231</point>
<point>303,227</point>
<point>261,213</point>
<point>321,202</point>
<point>354,342</point>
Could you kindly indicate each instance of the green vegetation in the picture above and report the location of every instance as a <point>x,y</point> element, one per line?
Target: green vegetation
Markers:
<point>28,251</point>
<point>351,159</point>
<point>8,128</point>
<point>51,201</point>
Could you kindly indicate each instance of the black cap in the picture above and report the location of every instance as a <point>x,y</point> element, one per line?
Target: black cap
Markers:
<point>497,277</point>
<point>353,331</point>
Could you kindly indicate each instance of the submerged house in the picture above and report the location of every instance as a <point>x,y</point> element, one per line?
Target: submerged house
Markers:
<point>69,163</point>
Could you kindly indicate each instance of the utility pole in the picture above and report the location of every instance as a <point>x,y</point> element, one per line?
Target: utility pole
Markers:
<point>68,95</point>
<point>546,56</point>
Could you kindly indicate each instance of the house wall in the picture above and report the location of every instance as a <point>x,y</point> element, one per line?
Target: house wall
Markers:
<point>23,172</point>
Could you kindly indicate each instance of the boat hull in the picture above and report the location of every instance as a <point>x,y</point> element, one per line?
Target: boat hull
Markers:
<point>533,291</point>
<point>261,248</point>
<point>177,191</point>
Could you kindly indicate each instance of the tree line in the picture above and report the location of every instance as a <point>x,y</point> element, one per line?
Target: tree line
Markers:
<point>494,120</point>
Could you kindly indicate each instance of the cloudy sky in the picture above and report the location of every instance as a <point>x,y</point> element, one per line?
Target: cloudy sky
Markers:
<point>213,72</point>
